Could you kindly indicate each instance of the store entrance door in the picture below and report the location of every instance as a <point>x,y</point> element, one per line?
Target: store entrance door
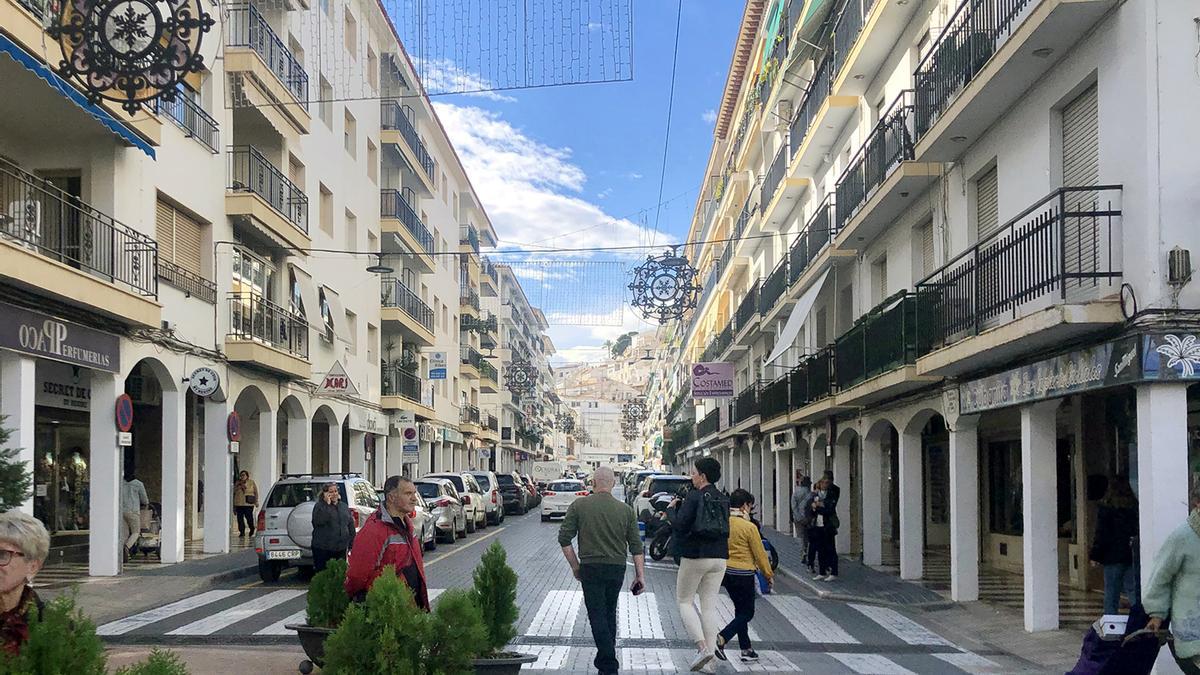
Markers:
<point>61,481</point>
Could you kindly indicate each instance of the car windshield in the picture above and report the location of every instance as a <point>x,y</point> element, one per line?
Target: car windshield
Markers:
<point>429,490</point>
<point>506,479</point>
<point>566,486</point>
<point>666,484</point>
<point>485,481</point>
<point>457,480</point>
<point>287,495</point>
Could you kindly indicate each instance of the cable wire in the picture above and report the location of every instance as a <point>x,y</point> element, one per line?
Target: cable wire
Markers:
<point>662,176</point>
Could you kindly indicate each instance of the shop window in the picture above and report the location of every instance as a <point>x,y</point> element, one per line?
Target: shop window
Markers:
<point>1004,488</point>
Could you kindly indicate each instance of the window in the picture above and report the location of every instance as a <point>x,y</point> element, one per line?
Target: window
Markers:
<point>325,6</point>
<point>372,69</point>
<point>1004,481</point>
<point>351,231</point>
<point>350,135</point>
<point>326,210</point>
<point>296,48</point>
<point>326,104</point>
<point>351,35</point>
<point>295,298</point>
<point>879,281</point>
<point>987,205</point>
<point>372,161</point>
<point>180,237</point>
<point>326,317</point>
<point>352,324</point>
<point>372,343</point>
<point>296,172</point>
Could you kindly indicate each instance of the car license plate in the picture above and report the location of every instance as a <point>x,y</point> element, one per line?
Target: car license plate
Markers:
<point>289,554</point>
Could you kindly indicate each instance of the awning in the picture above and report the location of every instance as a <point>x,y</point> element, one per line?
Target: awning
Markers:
<point>102,116</point>
<point>340,328</point>
<point>308,296</point>
<point>799,313</point>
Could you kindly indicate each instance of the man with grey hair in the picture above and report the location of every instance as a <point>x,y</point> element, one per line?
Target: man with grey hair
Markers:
<point>608,532</point>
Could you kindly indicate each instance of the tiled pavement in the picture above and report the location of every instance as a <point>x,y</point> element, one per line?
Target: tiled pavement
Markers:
<point>62,575</point>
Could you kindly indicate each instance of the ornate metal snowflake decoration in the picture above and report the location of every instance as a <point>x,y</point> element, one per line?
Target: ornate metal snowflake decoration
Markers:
<point>130,51</point>
<point>664,287</point>
<point>636,410</point>
<point>566,423</point>
<point>520,377</point>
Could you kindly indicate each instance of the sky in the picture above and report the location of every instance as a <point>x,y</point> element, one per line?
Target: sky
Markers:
<point>579,166</point>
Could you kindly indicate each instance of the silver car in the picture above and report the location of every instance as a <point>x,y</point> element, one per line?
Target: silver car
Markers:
<point>448,515</point>
<point>493,504</point>
<point>284,536</point>
<point>471,496</point>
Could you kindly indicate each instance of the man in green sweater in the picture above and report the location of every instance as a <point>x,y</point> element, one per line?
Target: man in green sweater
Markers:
<point>608,532</point>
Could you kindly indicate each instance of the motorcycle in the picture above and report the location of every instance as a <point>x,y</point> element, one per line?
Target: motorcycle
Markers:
<point>658,530</point>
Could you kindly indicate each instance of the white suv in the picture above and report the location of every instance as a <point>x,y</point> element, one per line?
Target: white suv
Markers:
<point>471,495</point>
<point>493,504</point>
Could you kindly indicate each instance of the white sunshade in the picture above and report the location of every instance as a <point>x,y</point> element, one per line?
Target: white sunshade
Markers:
<point>799,314</point>
<point>340,328</point>
<point>308,296</point>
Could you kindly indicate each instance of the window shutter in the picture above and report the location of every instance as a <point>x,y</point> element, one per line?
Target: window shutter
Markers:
<point>1081,168</point>
<point>927,260</point>
<point>164,225</point>
<point>188,236</point>
<point>987,205</point>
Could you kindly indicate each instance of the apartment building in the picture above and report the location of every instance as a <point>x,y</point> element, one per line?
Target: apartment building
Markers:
<point>217,259</point>
<point>958,276</point>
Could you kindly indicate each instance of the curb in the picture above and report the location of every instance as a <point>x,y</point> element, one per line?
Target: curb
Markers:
<point>865,599</point>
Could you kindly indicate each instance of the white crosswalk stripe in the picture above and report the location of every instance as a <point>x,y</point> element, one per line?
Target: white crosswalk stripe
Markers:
<point>647,658</point>
<point>901,626</point>
<point>725,614</point>
<point>768,662</point>
<point>433,593</point>
<point>872,664</point>
<point>557,614</point>
<point>278,628</point>
<point>549,657</point>
<point>971,662</point>
<point>131,623</point>
<point>215,622</point>
<point>638,617</point>
<point>812,624</point>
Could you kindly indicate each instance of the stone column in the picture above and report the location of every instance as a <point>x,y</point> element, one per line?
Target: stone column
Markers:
<point>842,478</point>
<point>335,448</point>
<point>783,491</point>
<point>912,515</point>
<point>1162,466</point>
<point>218,478</point>
<point>104,473</point>
<point>358,453</point>
<point>299,450</point>
<point>1039,494</point>
<point>18,393</point>
<point>174,472</point>
<point>266,463</point>
<point>872,499</point>
<point>964,509</point>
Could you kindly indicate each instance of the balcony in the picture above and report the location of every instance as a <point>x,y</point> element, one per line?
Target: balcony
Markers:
<point>489,378</point>
<point>406,311</point>
<point>774,399</point>
<point>468,239</point>
<point>985,59</point>
<point>399,217</point>
<point>267,336</point>
<point>470,419</point>
<point>864,35</point>
<point>51,243</point>
<point>874,359</point>
<point>745,406</point>
<point>468,300</point>
<point>489,280</point>
<point>747,317</point>
<point>272,81</point>
<point>262,197</point>
<point>878,182</point>
<point>779,192</point>
<point>810,386</point>
<point>400,130</point>
<point>1047,276</point>
<point>709,425</point>
<point>471,361</point>
<point>805,260</point>
<point>195,122</point>
<point>193,285</point>
<point>818,122</point>
<point>773,287</point>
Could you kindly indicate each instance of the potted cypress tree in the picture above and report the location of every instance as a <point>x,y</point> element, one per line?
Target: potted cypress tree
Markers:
<point>327,602</point>
<point>495,593</point>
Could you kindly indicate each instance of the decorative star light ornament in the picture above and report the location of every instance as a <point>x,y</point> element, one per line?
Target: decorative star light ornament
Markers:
<point>520,377</point>
<point>664,287</point>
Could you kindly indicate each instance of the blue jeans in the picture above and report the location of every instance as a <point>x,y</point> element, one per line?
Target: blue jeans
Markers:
<point>1118,578</point>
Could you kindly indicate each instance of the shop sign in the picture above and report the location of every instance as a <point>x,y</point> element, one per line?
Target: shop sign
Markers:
<point>204,381</point>
<point>42,335</point>
<point>1171,356</point>
<point>1094,367</point>
<point>370,421</point>
<point>59,387</point>
<point>337,381</point>
<point>452,435</point>
<point>437,366</point>
<point>712,380</point>
<point>411,453</point>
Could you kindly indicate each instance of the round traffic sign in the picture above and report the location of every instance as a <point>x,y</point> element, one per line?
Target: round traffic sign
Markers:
<point>124,413</point>
<point>234,426</point>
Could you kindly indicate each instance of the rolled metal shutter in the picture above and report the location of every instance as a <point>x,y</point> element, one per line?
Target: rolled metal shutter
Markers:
<point>927,262</point>
<point>1081,168</point>
<point>188,235</point>
<point>987,205</point>
<point>164,230</point>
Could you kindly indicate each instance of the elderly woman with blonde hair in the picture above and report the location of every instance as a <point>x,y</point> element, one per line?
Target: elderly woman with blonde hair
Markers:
<point>24,545</point>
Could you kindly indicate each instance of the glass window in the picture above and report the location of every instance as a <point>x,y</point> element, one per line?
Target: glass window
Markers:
<point>429,490</point>
<point>364,494</point>
<point>484,480</point>
<point>657,485</point>
<point>566,486</point>
<point>506,479</point>
<point>296,299</point>
<point>1004,488</point>
<point>288,495</point>
<point>457,481</point>
<point>326,316</point>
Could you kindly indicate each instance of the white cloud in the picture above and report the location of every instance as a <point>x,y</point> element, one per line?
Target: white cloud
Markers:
<point>709,116</point>
<point>633,175</point>
<point>586,343</point>
<point>604,194</point>
<point>445,76</point>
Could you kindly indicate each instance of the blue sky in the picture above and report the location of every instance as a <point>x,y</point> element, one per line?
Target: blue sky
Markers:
<point>588,157</point>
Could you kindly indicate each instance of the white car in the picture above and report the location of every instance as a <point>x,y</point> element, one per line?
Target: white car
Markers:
<point>492,503</point>
<point>559,495</point>
<point>449,516</point>
<point>652,485</point>
<point>471,495</point>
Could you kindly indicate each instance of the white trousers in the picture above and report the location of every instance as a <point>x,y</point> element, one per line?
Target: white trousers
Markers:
<point>700,576</point>
<point>132,524</point>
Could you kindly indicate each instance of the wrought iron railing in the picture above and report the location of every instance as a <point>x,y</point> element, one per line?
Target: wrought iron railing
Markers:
<point>469,236</point>
<point>471,356</point>
<point>774,399</point>
<point>880,341</point>
<point>723,341</point>
<point>748,308</point>
<point>399,382</point>
<point>246,27</point>
<point>774,176</point>
<point>395,294</point>
<point>41,217</point>
<point>742,222</point>
<point>253,317</point>
<point>193,119</point>
<point>489,270</point>
<point>849,24</point>
<point>816,235</point>
<point>773,287</point>
<point>962,49</point>
<point>812,379</point>
<point>889,143</point>
<point>251,171</point>
<point>709,425</point>
<point>469,297</point>
<point>395,204</point>
<point>469,414</point>
<point>478,325</point>
<point>506,433</point>
<point>745,405</point>
<point>487,371</point>
<point>191,283</point>
<point>493,423</point>
<point>397,117</point>
<point>1064,246</point>
<point>814,98</point>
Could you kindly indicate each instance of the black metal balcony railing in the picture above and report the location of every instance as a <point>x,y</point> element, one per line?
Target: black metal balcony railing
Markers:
<point>506,433</point>
<point>250,171</point>
<point>487,371</point>
<point>469,297</point>
<point>469,414</point>
<point>748,309</point>
<point>399,382</point>
<point>246,27</point>
<point>493,423</point>
<point>814,98</point>
<point>816,235</point>
<point>723,341</point>
<point>193,284</point>
<point>395,204</point>
<point>769,74</point>
<point>477,325</point>
<point>849,24</point>
<point>469,236</point>
<point>709,425</point>
<point>745,405</point>
<point>470,356</point>
<point>489,270</point>
<point>397,117</point>
<point>812,380</point>
<point>37,7</point>
<point>191,118</point>
<point>775,398</point>
<point>961,50</point>
<point>41,217</point>
<point>773,287</point>
<point>395,294</point>
<point>774,176</point>
<point>1063,245</point>
<point>880,341</point>
<point>889,143</point>
<point>739,226</point>
<point>253,317</point>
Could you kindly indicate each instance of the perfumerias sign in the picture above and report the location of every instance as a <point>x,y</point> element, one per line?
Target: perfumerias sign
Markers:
<point>38,334</point>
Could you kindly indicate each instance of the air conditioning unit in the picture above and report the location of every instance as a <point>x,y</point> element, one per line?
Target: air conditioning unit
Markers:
<point>783,440</point>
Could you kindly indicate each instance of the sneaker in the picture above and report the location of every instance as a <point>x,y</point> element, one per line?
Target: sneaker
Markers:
<point>749,656</point>
<point>701,660</point>
<point>831,577</point>
<point>818,577</point>
<point>719,652</point>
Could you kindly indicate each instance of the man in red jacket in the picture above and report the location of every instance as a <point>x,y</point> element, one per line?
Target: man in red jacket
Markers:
<point>387,539</point>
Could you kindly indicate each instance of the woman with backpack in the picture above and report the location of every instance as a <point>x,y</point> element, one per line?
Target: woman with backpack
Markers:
<point>701,534</point>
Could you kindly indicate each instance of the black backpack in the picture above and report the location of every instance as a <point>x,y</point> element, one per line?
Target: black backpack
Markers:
<point>712,518</point>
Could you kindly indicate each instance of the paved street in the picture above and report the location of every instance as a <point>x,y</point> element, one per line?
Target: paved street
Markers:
<point>794,632</point>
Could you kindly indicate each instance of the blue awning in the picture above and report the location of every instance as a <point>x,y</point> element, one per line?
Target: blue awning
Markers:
<point>101,115</point>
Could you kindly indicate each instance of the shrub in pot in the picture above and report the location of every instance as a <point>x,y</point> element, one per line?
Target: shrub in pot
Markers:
<point>327,602</point>
<point>495,593</point>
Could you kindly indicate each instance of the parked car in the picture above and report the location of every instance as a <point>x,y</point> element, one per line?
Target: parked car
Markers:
<point>284,534</point>
<point>655,484</point>
<point>492,505</point>
<point>514,493</point>
<point>633,481</point>
<point>559,495</point>
<point>449,515</point>
<point>471,495</point>
<point>534,493</point>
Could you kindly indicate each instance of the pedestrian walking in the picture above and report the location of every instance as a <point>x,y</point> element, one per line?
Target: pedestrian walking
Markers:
<point>1174,589</point>
<point>133,500</point>
<point>746,557</point>
<point>802,516</point>
<point>333,527</point>
<point>1112,547</point>
<point>701,537</point>
<point>823,534</point>
<point>607,530</point>
<point>387,539</point>
<point>24,545</point>
<point>245,496</point>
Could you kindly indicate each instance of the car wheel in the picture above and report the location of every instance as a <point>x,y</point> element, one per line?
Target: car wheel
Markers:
<point>431,545</point>
<point>305,572</point>
<point>269,571</point>
<point>471,526</point>
<point>545,519</point>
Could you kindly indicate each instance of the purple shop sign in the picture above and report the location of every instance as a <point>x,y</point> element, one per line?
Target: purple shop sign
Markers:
<point>712,380</point>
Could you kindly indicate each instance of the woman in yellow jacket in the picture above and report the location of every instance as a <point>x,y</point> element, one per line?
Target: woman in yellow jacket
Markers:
<point>746,555</point>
